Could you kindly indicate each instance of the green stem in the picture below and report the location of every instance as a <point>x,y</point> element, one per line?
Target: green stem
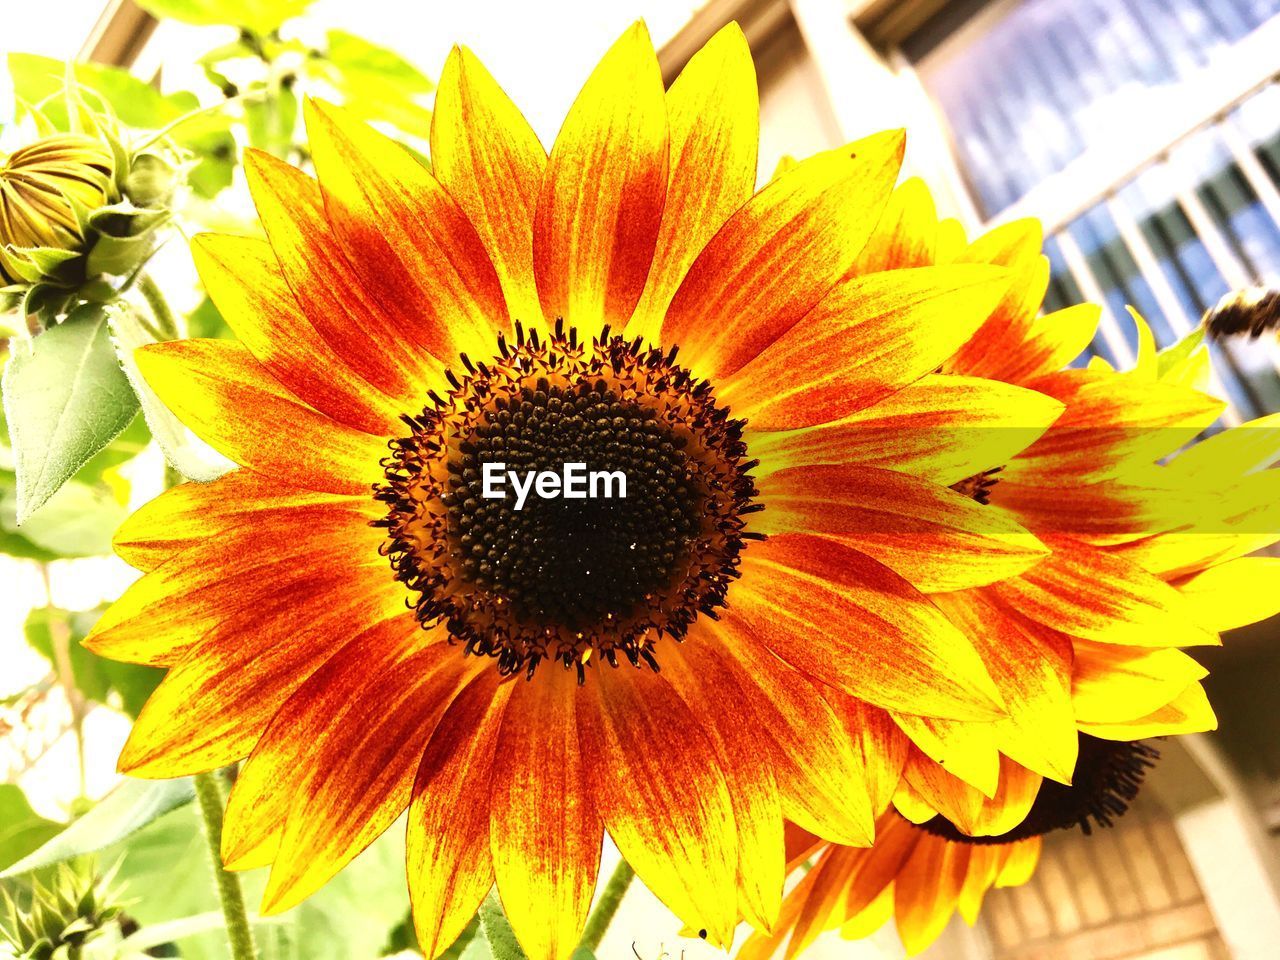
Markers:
<point>166,322</point>
<point>209,794</point>
<point>607,906</point>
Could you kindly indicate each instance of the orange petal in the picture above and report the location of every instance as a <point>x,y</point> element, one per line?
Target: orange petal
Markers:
<point>1111,683</point>
<point>357,728</point>
<point>1031,667</point>
<point>934,537</point>
<point>868,337</point>
<point>189,513</point>
<point>405,236</point>
<point>927,891</point>
<point>659,787</point>
<point>544,830</point>
<point>1112,425</point>
<point>1234,594</point>
<point>1189,712</point>
<point>820,895</point>
<point>489,159</point>
<point>1084,592</point>
<point>944,792</point>
<point>217,389</point>
<point>1012,801</point>
<point>757,812</point>
<point>449,863</point>
<point>822,783</point>
<point>243,279</point>
<point>383,339</point>
<point>213,706</point>
<point>600,207</point>
<point>985,862</point>
<point>1021,863</point>
<point>1247,519</point>
<point>964,750</point>
<point>941,428</point>
<point>251,577</point>
<point>846,619</point>
<point>714,113</point>
<point>1051,343</point>
<point>779,255</point>
<point>1016,246</point>
<point>907,234</point>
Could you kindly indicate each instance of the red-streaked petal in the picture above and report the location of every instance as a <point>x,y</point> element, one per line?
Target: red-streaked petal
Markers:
<point>940,428</point>
<point>385,340</point>
<point>850,621</point>
<point>907,233</point>
<point>243,279</point>
<point>489,159</point>
<point>779,255</point>
<point>934,537</point>
<point>252,577</point>
<point>1084,592</point>
<point>1031,666</point>
<point>868,337</point>
<point>662,794</point>
<point>544,831</point>
<point>213,706</point>
<point>405,236</point>
<point>189,513</point>
<point>217,389</point>
<point>709,694</point>
<point>600,207</point>
<point>713,110</point>
<point>822,783</point>
<point>449,862</point>
<point>357,728</point>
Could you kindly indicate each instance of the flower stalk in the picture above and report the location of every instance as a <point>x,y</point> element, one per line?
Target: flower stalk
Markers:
<point>209,794</point>
<point>605,909</point>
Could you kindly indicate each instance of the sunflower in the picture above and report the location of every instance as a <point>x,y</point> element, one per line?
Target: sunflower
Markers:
<point>1149,545</point>
<point>354,611</point>
<point>921,873</point>
<point>1148,532</point>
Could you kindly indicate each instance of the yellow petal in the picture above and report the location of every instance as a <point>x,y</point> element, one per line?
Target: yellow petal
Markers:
<point>487,156</point>
<point>600,205</point>
<point>713,109</point>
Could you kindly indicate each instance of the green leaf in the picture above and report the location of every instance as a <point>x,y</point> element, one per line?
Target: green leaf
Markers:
<point>123,812</point>
<point>367,63</point>
<point>78,521</point>
<point>65,399</point>
<point>138,105</point>
<point>96,677</point>
<point>22,830</point>
<point>260,16</point>
<point>348,917</point>
<point>207,321</point>
<point>191,457</point>
<point>496,932</point>
<point>376,83</point>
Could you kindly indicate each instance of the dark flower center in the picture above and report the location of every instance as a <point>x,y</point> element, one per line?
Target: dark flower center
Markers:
<point>570,503</point>
<point>1108,776</point>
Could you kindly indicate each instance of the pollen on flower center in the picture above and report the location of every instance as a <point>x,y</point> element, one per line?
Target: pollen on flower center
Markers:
<point>571,579</point>
<point>1107,778</point>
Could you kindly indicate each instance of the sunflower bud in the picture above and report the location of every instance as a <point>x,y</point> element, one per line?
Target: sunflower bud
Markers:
<point>75,210</point>
<point>77,908</point>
